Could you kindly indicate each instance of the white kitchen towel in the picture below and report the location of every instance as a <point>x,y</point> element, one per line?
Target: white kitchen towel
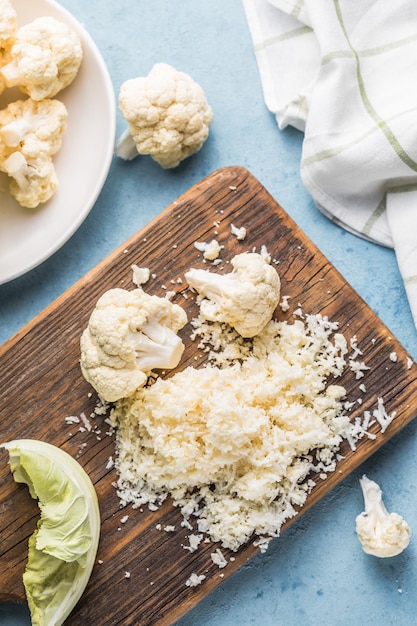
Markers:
<point>345,73</point>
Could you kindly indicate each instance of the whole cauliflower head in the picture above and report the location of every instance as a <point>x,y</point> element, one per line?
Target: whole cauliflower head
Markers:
<point>244,298</point>
<point>45,57</point>
<point>129,334</point>
<point>30,134</point>
<point>381,534</point>
<point>168,116</point>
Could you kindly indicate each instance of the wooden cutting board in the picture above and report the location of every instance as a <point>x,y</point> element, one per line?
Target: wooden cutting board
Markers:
<point>41,385</point>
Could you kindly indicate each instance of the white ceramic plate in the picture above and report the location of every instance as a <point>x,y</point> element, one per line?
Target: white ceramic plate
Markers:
<point>28,237</point>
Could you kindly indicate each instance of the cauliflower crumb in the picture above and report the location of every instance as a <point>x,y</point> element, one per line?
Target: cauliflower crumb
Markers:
<point>358,368</point>
<point>262,543</point>
<point>218,558</point>
<point>169,528</point>
<point>195,579</point>
<point>239,233</point>
<point>381,415</point>
<point>284,305</point>
<point>194,541</point>
<point>140,275</point>
<point>265,254</point>
<point>72,419</point>
<point>210,250</point>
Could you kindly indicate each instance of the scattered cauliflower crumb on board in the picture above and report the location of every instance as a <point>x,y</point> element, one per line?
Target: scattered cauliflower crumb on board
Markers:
<point>211,250</point>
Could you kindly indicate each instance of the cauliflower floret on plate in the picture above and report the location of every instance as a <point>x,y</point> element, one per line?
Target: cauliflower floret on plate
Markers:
<point>44,58</point>
<point>33,181</point>
<point>129,334</point>
<point>244,298</point>
<point>30,134</point>
<point>168,116</point>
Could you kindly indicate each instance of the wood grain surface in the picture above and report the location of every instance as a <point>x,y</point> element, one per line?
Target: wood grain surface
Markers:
<point>41,384</point>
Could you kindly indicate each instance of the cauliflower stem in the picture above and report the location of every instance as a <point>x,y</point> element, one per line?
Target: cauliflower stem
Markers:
<point>31,133</point>
<point>157,347</point>
<point>381,534</point>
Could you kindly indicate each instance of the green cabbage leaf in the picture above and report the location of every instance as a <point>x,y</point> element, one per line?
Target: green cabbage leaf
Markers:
<point>63,548</point>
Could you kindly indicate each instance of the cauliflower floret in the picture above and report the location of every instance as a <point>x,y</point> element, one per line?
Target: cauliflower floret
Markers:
<point>30,134</point>
<point>129,334</point>
<point>168,116</point>
<point>35,126</point>
<point>34,181</point>
<point>8,28</point>
<point>45,58</point>
<point>381,533</point>
<point>8,25</point>
<point>244,298</point>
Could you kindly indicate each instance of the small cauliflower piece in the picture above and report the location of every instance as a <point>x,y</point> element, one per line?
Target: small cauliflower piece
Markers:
<point>244,298</point>
<point>381,534</point>
<point>239,233</point>
<point>129,334</point>
<point>30,134</point>
<point>33,181</point>
<point>45,57</point>
<point>168,116</point>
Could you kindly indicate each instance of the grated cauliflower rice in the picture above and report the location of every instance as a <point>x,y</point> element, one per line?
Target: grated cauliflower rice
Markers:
<point>235,442</point>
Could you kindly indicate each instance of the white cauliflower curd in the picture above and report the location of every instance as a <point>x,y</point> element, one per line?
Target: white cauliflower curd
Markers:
<point>129,334</point>
<point>381,534</point>
<point>30,134</point>
<point>44,58</point>
<point>244,298</point>
<point>168,116</point>
<point>8,28</point>
<point>237,447</point>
